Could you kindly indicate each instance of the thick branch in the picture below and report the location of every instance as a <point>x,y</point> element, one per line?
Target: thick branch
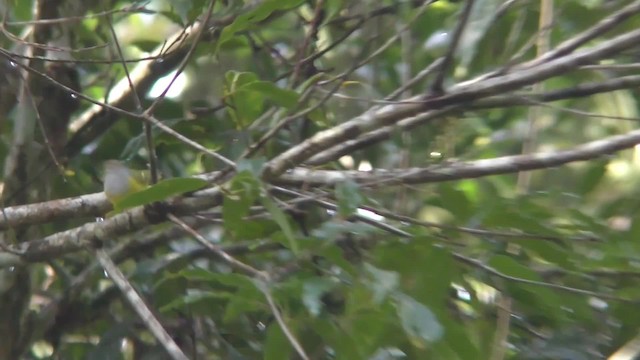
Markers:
<point>95,204</point>
<point>498,101</point>
<point>75,207</point>
<point>90,235</point>
<point>87,235</point>
<point>458,94</point>
<point>464,170</point>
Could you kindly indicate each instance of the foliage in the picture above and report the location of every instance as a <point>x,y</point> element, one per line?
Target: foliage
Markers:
<point>366,256</point>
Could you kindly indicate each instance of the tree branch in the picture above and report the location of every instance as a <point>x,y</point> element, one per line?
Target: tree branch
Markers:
<point>137,303</point>
<point>81,237</point>
<point>459,94</point>
<point>463,170</point>
<point>525,99</point>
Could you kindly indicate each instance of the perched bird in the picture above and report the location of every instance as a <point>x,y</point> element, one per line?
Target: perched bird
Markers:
<point>120,181</point>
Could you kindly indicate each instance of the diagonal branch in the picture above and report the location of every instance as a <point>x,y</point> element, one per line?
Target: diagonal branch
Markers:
<point>436,87</point>
<point>459,94</point>
<point>88,235</point>
<point>464,170</point>
<point>598,29</point>
<point>79,238</point>
<point>137,303</point>
<point>525,99</point>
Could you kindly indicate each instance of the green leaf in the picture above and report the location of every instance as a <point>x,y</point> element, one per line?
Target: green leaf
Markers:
<point>197,9</point>
<point>184,11</point>
<point>370,329</point>
<point>192,298</point>
<point>382,282</point>
<point>244,301</point>
<point>242,193</point>
<point>238,79</point>
<point>283,97</point>
<point>281,219</point>
<point>259,13</point>
<point>349,197</point>
<point>312,292</point>
<point>456,202</point>
<point>458,339</point>
<point>333,8</point>
<point>159,192</point>
<point>594,175</point>
<point>21,9</point>
<point>246,96</point>
<point>418,322</point>
<point>227,279</point>
<point>135,143</point>
<point>332,230</point>
<point>240,291</point>
<point>550,252</point>
<point>538,297</point>
<point>145,45</point>
<point>173,16</point>
<point>276,346</point>
<point>168,289</point>
<point>424,263</point>
<point>508,266</point>
<point>253,166</point>
<point>480,20</point>
<point>244,105</point>
<point>110,345</point>
<point>435,271</point>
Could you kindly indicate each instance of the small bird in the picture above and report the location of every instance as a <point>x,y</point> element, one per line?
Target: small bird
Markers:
<point>120,181</point>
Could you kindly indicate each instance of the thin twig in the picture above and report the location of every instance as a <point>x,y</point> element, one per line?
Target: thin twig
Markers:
<point>333,207</point>
<point>185,59</point>
<point>285,329</point>
<point>480,265</point>
<point>599,29</point>
<point>131,9</point>
<point>117,110</point>
<point>535,112</point>
<point>219,252</point>
<point>312,32</point>
<point>471,231</point>
<point>392,40</point>
<point>436,87</point>
<point>137,303</point>
<point>93,204</point>
<point>488,269</point>
<point>462,93</point>
<point>525,99</point>
<point>247,269</point>
<point>437,64</point>
<point>502,328</point>
<point>153,168</point>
